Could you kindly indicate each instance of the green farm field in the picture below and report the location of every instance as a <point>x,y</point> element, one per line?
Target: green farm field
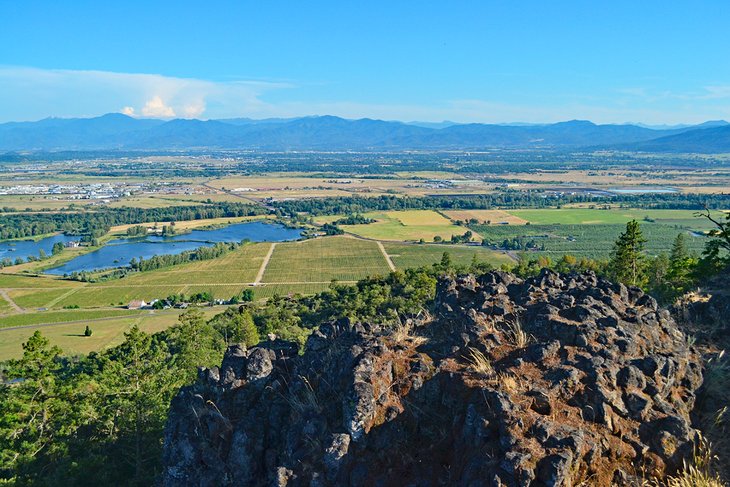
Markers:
<point>62,316</point>
<point>106,332</point>
<point>324,259</point>
<point>589,216</point>
<point>410,255</point>
<point>410,225</point>
<point>594,241</point>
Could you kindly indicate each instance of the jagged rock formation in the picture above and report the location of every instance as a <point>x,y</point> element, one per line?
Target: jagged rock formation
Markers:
<point>706,314</point>
<point>550,381</point>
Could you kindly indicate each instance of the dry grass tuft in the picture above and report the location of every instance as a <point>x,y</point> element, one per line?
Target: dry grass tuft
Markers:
<point>508,383</point>
<point>698,473</point>
<point>479,363</point>
<point>303,400</point>
<point>403,331</point>
<point>516,336</point>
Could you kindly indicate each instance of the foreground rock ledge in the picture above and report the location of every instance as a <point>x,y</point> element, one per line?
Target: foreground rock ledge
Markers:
<point>598,389</point>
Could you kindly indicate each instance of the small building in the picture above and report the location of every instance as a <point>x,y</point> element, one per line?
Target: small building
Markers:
<point>136,304</point>
<point>72,244</point>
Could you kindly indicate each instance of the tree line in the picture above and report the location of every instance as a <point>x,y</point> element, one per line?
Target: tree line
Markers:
<point>354,205</point>
<point>94,224</point>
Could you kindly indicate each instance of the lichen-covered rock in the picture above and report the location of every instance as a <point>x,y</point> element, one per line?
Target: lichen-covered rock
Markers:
<point>551,381</point>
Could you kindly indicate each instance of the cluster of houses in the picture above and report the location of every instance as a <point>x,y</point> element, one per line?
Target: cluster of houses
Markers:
<point>141,304</point>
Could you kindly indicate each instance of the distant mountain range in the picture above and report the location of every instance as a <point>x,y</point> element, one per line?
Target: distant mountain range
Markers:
<point>116,131</point>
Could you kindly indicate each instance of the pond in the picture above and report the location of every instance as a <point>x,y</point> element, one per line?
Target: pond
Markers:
<point>14,249</point>
<point>119,252</point>
<point>647,190</point>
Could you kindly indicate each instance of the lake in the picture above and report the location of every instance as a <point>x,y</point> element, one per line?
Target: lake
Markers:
<point>13,249</point>
<point>119,252</point>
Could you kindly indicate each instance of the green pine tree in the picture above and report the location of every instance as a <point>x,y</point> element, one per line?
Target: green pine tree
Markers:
<point>628,262</point>
<point>34,411</point>
<point>681,266</point>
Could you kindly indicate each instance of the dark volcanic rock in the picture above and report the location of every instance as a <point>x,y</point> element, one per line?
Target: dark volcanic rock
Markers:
<point>586,382</point>
<point>705,314</point>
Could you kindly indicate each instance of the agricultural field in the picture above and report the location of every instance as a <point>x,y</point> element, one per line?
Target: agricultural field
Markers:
<point>61,316</point>
<point>107,332</point>
<point>324,259</point>
<point>411,255</point>
<point>588,216</point>
<point>594,241</point>
<point>39,298</point>
<point>148,201</point>
<point>201,198</point>
<point>309,185</point>
<point>309,266</point>
<point>39,202</point>
<point>495,217</point>
<point>403,226</point>
<point>685,180</point>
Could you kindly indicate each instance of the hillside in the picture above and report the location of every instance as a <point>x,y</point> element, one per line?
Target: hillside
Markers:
<point>704,140</point>
<point>120,132</point>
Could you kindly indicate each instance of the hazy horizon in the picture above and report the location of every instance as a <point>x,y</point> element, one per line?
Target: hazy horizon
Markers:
<point>434,123</point>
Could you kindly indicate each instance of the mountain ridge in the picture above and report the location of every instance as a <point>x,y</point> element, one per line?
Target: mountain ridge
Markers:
<point>328,132</point>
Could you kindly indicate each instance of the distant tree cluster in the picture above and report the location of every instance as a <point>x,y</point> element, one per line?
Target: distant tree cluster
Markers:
<point>332,229</point>
<point>356,219</point>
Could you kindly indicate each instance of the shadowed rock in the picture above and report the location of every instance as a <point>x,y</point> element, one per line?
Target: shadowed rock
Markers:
<point>550,381</point>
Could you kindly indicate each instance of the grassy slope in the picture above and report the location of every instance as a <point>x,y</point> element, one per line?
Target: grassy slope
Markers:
<point>106,333</point>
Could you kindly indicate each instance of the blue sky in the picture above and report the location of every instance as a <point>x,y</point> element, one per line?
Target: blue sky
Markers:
<point>483,61</point>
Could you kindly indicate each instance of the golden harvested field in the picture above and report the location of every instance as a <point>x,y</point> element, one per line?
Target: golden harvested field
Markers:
<point>200,197</point>
<point>148,201</point>
<point>191,224</point>
<point>418,217</point>
<point>493,216</point>
<point>288,186</point>
<point>39,202</point>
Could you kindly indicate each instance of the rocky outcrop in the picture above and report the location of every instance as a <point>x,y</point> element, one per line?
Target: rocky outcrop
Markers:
<point>550,381</point>
<point>706,314</point>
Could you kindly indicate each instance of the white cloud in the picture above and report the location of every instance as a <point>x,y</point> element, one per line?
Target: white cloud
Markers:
<point>156,108</point>
<point>32,93</point>
<point>194,109</point>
